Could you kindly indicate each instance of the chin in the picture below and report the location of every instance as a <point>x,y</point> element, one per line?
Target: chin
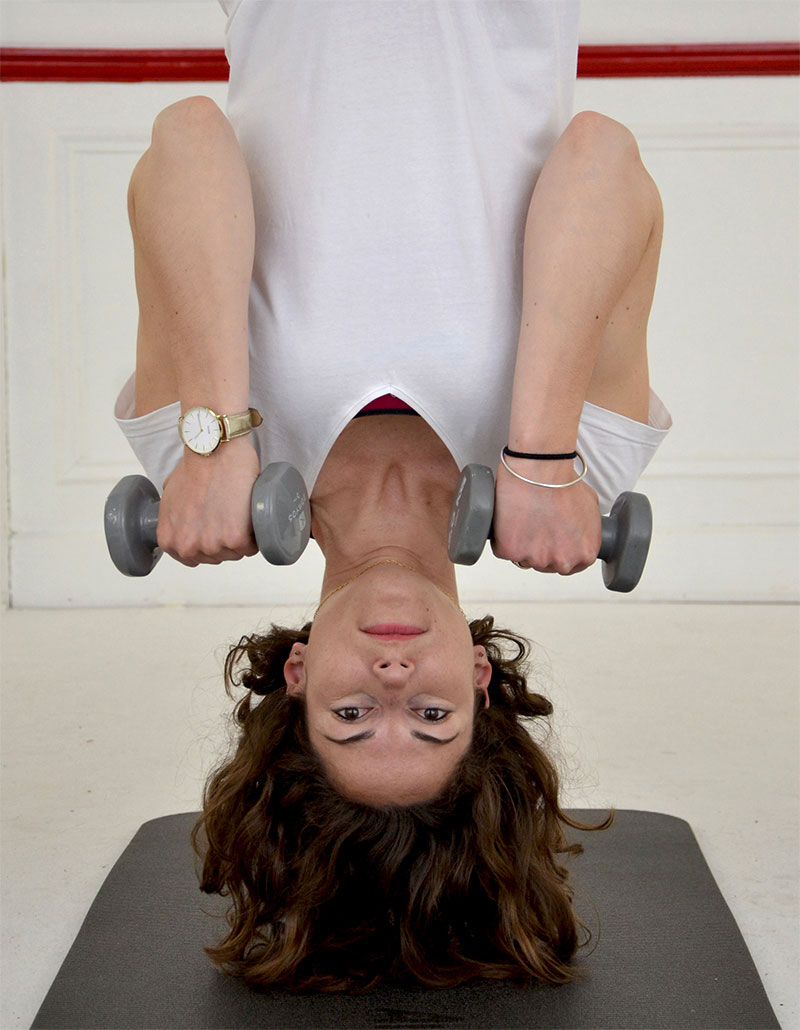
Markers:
<point>394,793</point>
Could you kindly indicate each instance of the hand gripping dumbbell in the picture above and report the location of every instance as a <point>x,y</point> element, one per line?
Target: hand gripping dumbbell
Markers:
<point>626,531</point>
<point>279,508</point>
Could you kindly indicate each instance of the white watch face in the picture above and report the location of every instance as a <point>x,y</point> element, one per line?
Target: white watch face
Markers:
<point>200,430</point>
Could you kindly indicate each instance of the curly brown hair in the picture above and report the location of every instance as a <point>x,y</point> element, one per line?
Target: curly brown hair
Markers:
<point>330,894</point>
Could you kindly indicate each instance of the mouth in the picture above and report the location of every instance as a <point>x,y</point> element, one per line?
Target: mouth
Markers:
<point>393,631</point>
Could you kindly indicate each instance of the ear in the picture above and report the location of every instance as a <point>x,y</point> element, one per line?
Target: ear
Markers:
<point>294,671</point>
<point>483,673</point>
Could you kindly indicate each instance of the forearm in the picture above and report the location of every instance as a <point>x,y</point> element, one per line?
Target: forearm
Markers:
<point>192,340</point>
<point>590,256</point>
<point>211,357</point>
<point>570,289</point>
<point>554,364</point>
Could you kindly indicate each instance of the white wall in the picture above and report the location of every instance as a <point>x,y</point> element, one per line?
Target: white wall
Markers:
<point>196,23</point>
<point>724,332</point>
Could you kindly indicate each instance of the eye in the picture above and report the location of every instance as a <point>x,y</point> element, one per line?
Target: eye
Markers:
<point>433,714</point>
<point>350,714</point>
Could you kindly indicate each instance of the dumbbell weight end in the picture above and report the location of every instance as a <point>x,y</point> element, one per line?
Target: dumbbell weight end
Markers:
<point>627,531</point>
<point>281,513</point>
<point>471,515</point>
<point>131,518</point>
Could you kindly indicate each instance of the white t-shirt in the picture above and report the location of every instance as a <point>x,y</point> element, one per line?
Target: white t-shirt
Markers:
<point>393,146</point>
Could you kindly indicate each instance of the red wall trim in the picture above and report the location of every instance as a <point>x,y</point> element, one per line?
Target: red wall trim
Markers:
<point>30,64</point>
<point>700,59</point>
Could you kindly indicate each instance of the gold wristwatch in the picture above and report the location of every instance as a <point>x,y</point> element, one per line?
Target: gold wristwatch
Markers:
<point>203,430</point>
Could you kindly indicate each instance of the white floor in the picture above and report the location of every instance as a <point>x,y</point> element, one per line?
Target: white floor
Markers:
<point>111,718</point>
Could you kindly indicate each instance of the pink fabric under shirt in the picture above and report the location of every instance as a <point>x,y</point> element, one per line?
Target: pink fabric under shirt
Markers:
<point>386,404</point>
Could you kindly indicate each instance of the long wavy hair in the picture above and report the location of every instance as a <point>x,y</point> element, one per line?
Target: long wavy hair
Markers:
<point>330,894</point>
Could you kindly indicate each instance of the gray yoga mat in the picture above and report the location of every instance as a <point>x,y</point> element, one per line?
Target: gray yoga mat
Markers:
<point>666,951</point>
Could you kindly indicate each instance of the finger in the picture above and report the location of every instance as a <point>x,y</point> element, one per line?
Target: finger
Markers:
<point>216,557</point>
<point>507,551</point>
<point>562,568</point>
<point>191,563</point>
<point>232,545</point>
<point>556,567</point>
<point>192,557</point>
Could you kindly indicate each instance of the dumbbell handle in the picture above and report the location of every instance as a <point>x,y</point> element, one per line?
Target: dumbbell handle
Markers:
<point>148,520</point>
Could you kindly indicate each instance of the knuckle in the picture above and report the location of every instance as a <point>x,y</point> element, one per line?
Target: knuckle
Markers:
<point>181,546</point>
<point>190,558</point>
<point>210,546</point>
<point>240,544</point>
<point>184,558</point>
<point>243,541</point>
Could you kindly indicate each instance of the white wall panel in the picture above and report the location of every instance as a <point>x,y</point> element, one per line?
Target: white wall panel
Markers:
<point>199,23</point>
<point>725,328</point>
<point>724,341</point>
<point>688,21</point>
<point>112,23</point>
<point>4,499</point>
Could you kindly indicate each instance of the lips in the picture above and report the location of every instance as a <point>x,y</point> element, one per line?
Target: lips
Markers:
<point>394,631</point>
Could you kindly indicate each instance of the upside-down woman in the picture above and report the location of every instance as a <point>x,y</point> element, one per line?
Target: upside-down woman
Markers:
<point>405,257</point>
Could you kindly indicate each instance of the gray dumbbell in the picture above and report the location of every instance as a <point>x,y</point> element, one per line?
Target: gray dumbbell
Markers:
<point>279,508</point>
<point>626,531</point>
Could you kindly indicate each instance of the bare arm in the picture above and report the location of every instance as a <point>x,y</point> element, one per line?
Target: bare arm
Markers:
<point>586,267</point>
<point>191,216</point>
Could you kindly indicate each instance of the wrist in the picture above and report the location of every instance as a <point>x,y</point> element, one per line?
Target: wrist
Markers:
<point>226,451</point>
<point>544,423</point>
<point>544,438</point>
<point>543,469</point>
<point>508,452</point>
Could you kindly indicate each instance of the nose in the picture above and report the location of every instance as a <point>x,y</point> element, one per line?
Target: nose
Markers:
<point>393,672</point>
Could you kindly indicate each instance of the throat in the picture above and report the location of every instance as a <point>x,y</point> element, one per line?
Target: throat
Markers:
<point>388,482</point>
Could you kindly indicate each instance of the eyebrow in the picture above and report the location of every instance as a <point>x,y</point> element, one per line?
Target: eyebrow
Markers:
<point>371,733</point>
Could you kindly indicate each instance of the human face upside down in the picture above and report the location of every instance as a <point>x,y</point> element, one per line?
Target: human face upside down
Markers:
<point>389,679</point>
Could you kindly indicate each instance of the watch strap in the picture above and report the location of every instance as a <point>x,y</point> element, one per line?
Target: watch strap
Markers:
<point>239,424</point>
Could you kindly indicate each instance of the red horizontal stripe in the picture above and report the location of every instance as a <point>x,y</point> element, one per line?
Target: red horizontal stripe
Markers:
<point>30,64</point>
<point>690,59</point>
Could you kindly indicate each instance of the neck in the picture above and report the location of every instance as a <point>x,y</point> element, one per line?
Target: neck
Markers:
<point>384,495</point>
